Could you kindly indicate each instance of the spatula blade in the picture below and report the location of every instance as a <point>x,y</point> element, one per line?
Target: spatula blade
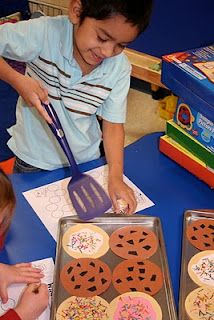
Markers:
<point>89,199</point>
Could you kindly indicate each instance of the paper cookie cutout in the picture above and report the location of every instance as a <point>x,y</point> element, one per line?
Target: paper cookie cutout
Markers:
<point>133,242</point>
<point>85,241</point>
<point>200,233</point>
<point>83,308</point>
<point>201,268</point>
<point>85,277</point>
<point>135,305</point>
<point>199,304</point>
<point>134,275</point>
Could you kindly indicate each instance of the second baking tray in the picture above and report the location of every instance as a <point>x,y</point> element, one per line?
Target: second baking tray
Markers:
<point>110,224</point>
<point>188,251</point>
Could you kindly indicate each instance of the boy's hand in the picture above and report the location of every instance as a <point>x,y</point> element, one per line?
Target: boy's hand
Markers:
<point>33,92</point>
<point>33,302</point>
<point>18,273</point>
<point>119,190</point>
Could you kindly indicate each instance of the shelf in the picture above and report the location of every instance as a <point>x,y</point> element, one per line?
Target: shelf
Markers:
<point>143,67</point>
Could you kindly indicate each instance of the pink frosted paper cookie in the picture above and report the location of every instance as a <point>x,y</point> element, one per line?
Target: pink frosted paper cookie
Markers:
<point>135,305</point>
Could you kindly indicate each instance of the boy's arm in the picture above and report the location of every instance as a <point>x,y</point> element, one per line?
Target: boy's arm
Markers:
<point>30,89</point>
<point>8,74</point>
<point>23,41</point>
<point>113,140</point>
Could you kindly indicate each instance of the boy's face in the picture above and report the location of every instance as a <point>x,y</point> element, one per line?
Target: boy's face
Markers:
<point>96,40</point>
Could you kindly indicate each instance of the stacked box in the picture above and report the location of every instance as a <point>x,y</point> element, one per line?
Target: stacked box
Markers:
<point>195,123</point>
<point>190,135</point>
<point>188,142</point>
<point>190,75</point>
<point>186,160</point>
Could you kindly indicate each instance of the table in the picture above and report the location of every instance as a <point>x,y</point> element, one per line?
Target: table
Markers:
<point>169,186</point>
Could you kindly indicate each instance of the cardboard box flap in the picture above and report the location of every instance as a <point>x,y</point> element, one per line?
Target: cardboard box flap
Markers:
<point>190,75</point>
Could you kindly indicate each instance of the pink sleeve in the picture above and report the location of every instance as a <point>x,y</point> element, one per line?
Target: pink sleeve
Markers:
<point>10,315</point>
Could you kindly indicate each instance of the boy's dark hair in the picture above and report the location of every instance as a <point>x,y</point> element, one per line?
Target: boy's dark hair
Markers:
<point>136,12</point>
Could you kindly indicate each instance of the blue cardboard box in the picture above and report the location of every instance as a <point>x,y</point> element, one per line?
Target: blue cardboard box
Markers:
<point>195,123</point>
<point>190,75</point>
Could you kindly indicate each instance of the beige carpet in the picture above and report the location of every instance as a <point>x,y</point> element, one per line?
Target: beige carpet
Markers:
<point>142,116</point>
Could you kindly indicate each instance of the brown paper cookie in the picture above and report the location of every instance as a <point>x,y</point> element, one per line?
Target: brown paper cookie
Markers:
<point>133,242</point>
<point>135,275</point>
<point>201,234</point>
<point>85,277</point>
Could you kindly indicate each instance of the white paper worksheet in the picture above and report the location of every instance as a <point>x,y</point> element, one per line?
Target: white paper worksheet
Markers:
<point>52,202</point>
<point>15,290</point>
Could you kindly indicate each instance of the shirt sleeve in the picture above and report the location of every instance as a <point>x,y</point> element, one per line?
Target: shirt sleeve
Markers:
<point>22,41</point>
<point>114,107</point>
<point>10,315</point>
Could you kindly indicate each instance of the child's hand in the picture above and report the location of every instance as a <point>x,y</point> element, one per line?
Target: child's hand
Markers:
<point>119,190</point>
<point>33,92</point>
<point>18,273</point>
<point>33,302</point>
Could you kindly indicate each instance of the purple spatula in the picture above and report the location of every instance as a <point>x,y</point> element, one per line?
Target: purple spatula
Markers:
<point>87,196</point>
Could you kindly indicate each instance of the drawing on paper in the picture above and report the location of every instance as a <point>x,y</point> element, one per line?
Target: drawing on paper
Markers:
<point>15,290</point>
<point>52,202</point>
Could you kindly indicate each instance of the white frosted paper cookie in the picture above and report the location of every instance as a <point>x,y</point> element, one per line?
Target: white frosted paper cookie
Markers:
<point>85,241</point>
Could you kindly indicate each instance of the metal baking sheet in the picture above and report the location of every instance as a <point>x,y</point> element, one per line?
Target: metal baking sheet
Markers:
<point>188,251</point>
<point>109,224</point>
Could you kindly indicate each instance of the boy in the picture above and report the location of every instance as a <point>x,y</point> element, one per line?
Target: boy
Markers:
<point>78,66</point>
<point>31,305</point>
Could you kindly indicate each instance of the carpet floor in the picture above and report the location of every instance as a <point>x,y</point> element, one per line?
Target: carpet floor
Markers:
<point>142,116</point>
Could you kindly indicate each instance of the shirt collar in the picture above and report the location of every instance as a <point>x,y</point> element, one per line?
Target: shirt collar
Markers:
<point>67,40</point>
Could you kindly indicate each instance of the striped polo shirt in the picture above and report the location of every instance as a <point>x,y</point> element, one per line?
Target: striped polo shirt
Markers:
<point>46,45</point>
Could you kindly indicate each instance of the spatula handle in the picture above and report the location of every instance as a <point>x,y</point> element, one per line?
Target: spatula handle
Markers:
<point>57,130</point>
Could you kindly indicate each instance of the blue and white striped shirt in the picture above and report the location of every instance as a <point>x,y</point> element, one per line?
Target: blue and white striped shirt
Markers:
<point>45,44</point>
